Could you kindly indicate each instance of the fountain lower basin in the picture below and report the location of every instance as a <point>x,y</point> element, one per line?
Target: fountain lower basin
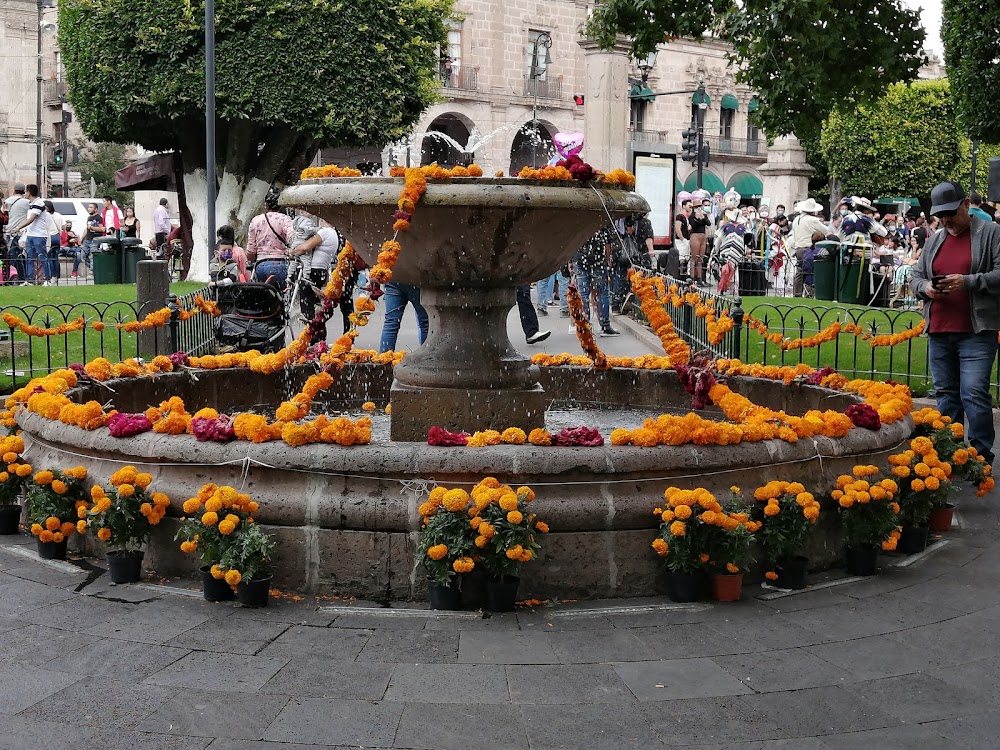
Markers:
<point>345,519</point>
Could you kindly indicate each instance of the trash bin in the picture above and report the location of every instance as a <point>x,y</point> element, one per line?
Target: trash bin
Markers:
<point>847,285</point>
<point>107,261</point>
<point>752,279</point>
<point>132,253</point>
<point>825,271</point>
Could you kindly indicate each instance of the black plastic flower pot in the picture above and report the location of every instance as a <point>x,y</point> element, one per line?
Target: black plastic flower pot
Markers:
<point>52,550</point>
<point>213,589</point>
<point>861,561</point>
<point>686,587</point>
<point>913,539</point>
<point>444,597</point>
<point>792,572</point>
<point>125,567</point>
<point>10,518</point>
<point>473,589</point>
<point>501,593</point>
<point>255,593</point>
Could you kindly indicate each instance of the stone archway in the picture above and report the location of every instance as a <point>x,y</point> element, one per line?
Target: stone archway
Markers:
<point>445,141</point>
<point>531,148</point>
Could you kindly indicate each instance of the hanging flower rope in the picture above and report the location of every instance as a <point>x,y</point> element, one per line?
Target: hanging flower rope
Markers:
<point>583,332</point>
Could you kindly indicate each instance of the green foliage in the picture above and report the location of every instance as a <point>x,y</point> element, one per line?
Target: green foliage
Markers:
<point>450,528</point>
<point>801,57</point>
<point>56,497</point>
<point>290,71</point>
<point>783,534</point>
<point>972,47</point>
<point>100,161</point>
<point>903,144</point>
<point>249,552</point>
<point>962,171</point>
<point>121,514</point>
<point>514,543</point>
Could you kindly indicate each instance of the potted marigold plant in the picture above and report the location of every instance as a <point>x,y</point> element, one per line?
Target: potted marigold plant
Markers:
<point>787,514</point>
<point>730,541</point>
<point>124,516</point>
<point>219,526</point>
<point>506,533</point>
<point>446,545</point>
<point>924,484</point>
<point>54,500</point>
<point>869,515</point>
<point>684,539</point>
<point>13,477</point>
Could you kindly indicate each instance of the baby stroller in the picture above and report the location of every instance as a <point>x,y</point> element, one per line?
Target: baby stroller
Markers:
<point>253,317</point>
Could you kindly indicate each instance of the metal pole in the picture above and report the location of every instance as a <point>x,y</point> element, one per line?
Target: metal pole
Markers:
<point>38,104</point>
<point>975,165</point>
<point>210,121</point>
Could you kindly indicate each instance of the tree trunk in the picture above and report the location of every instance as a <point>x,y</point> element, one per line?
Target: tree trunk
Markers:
<point>196,191</point>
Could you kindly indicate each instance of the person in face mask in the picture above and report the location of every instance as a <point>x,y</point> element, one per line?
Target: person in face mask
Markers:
<point>230,261</point>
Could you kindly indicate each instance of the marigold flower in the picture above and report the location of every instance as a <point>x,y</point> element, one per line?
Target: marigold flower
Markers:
<point>455,500</point>
<point>188,547</point>
<point>515,517</point>
<point>45,535</point>
<point>463,565</point>
<point>210,518</point>
<point>226,527</point>
<point>52,523</point>
<point>126,490</point>
<point>437,552</point>
<point>36,529</point>
<point>678,528</point>
<point>104,534</point>
<point>917,485</point>
<point>42,477</point>
<point>217,573</point>
<point>233,577</point>
<point>660,546</point>
<point>487,530</point>
<point>481,541</point>
<point>771,575</point>
<point>542,527</point>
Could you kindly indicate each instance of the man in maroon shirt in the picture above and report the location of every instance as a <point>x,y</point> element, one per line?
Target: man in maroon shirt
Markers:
<point>959,275</point>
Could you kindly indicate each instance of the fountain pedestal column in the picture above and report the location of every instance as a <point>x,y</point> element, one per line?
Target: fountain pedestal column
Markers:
<point>467,375</point>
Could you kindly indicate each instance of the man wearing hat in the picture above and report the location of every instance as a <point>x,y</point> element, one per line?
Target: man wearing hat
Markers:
<point>805,225</point>
<point>958,273</point>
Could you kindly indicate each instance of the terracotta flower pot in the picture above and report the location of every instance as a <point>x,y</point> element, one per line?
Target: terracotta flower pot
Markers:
<point>727,587</point>
<point>941,518</point>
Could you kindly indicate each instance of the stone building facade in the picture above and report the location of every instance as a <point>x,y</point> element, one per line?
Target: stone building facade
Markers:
<point>489,99</point>
<point>18,81</point>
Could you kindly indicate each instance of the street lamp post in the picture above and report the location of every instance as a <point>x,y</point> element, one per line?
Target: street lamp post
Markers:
<point>210,121</point>
<point>542,42</point>
<point>39,6</point>
<point>702,106</point>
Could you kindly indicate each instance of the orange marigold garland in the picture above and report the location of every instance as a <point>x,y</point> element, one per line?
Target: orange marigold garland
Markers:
<point>583,331</point>
<point>651,292</point>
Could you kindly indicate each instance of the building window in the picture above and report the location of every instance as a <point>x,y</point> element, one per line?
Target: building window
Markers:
<point>539,54</point>
<point>637,114</point>
<point>451,56</point>
<point>726,117</point>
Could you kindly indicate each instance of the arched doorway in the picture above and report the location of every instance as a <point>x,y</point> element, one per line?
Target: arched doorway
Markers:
<point>531,147</point>
<point>445,142</point>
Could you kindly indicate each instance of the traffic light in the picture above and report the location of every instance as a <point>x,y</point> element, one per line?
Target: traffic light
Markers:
<point>705,153</point>
<point>57,155</point>
<point>689,145</point>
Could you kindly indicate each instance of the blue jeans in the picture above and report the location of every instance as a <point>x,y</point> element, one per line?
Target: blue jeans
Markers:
<point>960,365</point>
<point>83,253</point>
<point>55,269</point>
<point>268,268</point>
<point>38,252</point>
<point>396,297</point>
<point>546,288</point>
<point>599,278</point>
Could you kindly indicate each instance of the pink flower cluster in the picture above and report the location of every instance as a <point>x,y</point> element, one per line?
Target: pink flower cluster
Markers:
<point>122,425</point>
<point>578,436</point>
<point>578,168</point>
<point>442,438</point>
<point>179,359</point>
<point>864,415</point>
<point>218,430</point>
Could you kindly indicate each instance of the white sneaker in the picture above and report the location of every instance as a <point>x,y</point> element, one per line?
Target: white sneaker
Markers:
<point>538,337</point>
<point>47,283</point>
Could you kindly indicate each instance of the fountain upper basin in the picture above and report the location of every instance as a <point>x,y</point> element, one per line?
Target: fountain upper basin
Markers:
<point>468,231</point>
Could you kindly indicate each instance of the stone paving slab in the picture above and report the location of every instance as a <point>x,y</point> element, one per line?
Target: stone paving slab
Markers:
<point>448,683</point>
<point>701,720</point>
<point>329,643</point>
<point>103,702</point>
<point>20,688</point>
<point>788,669</point>
<point>678,678</point>
<point>460,727</point>
<point>205,670</point>
<point>595,726</point>
<point>819,711</point>
<point>423,647</point>
<point>366,724</point>
<point>567,684</point>
<point>207,714</point>
<point>132,661</point>
<point>478,647</point>
<point>318,677</point>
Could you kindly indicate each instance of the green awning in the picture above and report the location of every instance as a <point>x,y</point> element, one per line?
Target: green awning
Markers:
<point>747,185</point>
<point>709,181</point>
<point>678,186</point>
<point>642,93</point>
<point>753,105</point>
<point>729,101</point>
<point>695,99</point>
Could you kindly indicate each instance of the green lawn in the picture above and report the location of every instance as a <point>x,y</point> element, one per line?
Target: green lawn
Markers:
<point>848,354</point>
<point>49,306</point>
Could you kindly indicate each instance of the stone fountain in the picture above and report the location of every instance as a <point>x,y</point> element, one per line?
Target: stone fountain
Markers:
<point>345,519</point>
<point>471,242</point>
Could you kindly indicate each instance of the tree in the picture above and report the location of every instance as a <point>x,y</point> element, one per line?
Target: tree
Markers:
<point>292,76</point>
<point>901,145</point>
<point>801,57</point>
<point>100,161</point>
<point>972,48</point>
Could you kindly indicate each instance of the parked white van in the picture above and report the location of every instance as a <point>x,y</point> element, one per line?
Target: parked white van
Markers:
<point>75,210</point>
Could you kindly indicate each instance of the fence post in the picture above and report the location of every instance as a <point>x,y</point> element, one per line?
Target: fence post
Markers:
<point>151,288</point>
<point>687,318</point>
<point>737,332</point>
<point>175,323</point>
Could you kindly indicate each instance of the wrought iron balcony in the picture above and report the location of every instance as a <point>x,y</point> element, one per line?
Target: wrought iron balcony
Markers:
<point>53,93</point>
<point>465,79</point>
<point>547,88</point>
<point>741,147</point>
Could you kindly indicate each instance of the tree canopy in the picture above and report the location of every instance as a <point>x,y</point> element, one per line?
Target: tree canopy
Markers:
<point>291,75</point>
<point>801,57</point>
<point>972,50</point>
<point>901,145</point>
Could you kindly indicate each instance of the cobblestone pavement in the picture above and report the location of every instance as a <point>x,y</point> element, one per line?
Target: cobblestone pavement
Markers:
<point>908,658</point>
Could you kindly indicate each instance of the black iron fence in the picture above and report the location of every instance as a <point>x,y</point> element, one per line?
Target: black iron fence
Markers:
<point>23,357</point>
<point>905,362</point>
